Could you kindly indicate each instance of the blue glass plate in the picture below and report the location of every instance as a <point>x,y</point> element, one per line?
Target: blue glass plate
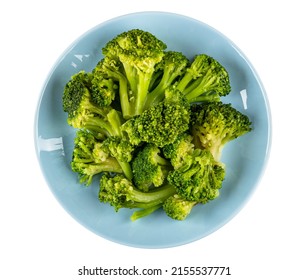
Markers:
<point>245,158</point>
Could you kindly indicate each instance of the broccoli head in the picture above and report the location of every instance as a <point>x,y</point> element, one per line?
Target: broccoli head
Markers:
<point>137,52</point>
<point>205,80</point>
<point>199,178</point>
<point>103,89</point>
<point>162,123</point>
<point>178,208</point>
<point>149,168</point>
<point>121,149</point>
<point>87,162</point>
<point>214,124</point>
<point>83,113</point>
<point>178,151</point>
<point>172,66</point>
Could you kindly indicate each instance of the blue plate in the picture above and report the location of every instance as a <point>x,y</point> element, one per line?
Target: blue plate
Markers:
<point>245,158</point>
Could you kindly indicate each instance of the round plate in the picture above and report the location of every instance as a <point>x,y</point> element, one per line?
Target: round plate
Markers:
<point>245,157</point>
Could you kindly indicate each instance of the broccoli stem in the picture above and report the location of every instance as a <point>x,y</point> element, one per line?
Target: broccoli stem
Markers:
<point>184,81</point>
<point>98,125</point>
<point>152,198</point>
<point>161,161</point>
<point>126,169</point>
<point>210,96</point>
<point>124,98</point>
<point>158,94</point>
<point>200,86</point>
<point>139,83</point>
<point>142,91</point>
<point>111,126</point>
<point>115,121</point>
<point>144,212</point>
<point>90,170</point>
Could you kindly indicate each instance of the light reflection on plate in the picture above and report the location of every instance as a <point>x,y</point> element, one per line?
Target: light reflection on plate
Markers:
<point>245,157</point>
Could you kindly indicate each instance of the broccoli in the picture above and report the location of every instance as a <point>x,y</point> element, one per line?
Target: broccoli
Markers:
<point>178,208</point>
<point>151,123</point>
<point>87,161</point>
<point>199,178</point>
<point>121,149</point>
<point>177,151</point>
<point>112,69</point>
<point>162,123</point>
<point>144,212</point>
<point>120,192</point>
<point>172,66</point>
<point>83,113</point>
<point>214,124</point>
<point>103,89</point>
<point>149,168</point>
<point>136,53</point>
<point>205,80</point>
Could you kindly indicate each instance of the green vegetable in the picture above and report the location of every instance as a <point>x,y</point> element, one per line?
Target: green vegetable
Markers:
<point>215,124</point>
<point>83,112</point>
<point>161,123</point>
<point>199,177</point>
<point>177,151</point>
<point>172,66</point>
<point>205,80</point>
<point>136,53</point>
<point>151,125</point>
<point>120,192</point>
<point>149,168</point>
<point>177,207</point>
<point>88,159</point>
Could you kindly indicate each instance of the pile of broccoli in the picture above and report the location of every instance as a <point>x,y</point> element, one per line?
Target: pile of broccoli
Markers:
<point>151,123</point>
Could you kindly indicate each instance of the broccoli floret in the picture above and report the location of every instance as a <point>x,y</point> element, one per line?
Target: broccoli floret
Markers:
<point>205,80</point>
<point>178,208</point>
<point>83,113</point>
<point>172,66</point>
<point>121,149</point>
<point>178,150</point>
<point>162,123</point>
<point>136,53</point>
<point>113,69</point>
<point>87,162</point>
<point>103,89</point>
<point>199,178</point>
<point>120,192</point>
<point>149,168</point>
<point>214,124</point>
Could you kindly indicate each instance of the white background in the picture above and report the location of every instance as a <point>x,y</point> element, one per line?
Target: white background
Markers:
<point>266,240</point>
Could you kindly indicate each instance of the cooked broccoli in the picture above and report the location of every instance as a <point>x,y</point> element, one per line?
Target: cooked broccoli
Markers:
<point>162,123</point>
<point>178,208</point>
<point>199,178</point>
<point>87,161</point>
<point>103,89</point>
<point>121,149</point>
<point>144,212</point>
<point>172,66</point>
<point>151,123</point>
<point>178,151</point>
<point>120,192</point>
<point>83,113</point>
<point>205,80</point>
<point>136,53</point>
<point>149,168</point>
<point>214,124</point>
<point>113,69</point>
